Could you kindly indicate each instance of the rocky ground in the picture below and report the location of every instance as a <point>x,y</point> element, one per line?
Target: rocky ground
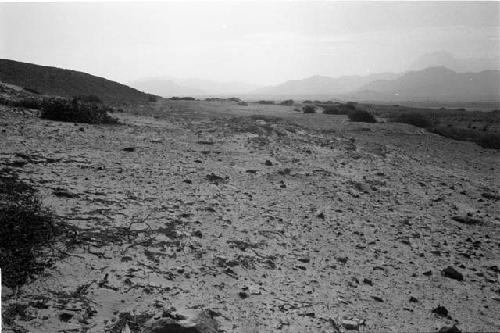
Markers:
<point>233,221</point>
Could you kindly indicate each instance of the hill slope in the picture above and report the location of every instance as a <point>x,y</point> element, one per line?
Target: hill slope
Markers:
<point>67,83</point>
<point>438,84</point>
<point>164,87</point>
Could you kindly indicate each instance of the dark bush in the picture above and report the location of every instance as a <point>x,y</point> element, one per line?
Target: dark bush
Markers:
<point>24,229</point>
<point>76,111</point>
<point>309,108</point>
<point>31,90</point>
<point>234,99</point>
<point>489,141</point>
<point>415,119</point>
<point>182,98</point>
<point>334,109</point>
<point>266,102</point>
<point>361,116</point>
<point>287,102</point>
<point>88,98</point>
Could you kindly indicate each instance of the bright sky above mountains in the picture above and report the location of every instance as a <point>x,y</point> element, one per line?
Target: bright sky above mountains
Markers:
<point>255,42</point>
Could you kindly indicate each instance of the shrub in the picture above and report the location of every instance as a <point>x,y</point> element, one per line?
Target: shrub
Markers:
<point>287,102</point>
<point>361,116</point>
<point>243,103</point>
<point>333,109</point>
<point>31,90</point>
<point>182,98</point>
<point>88,98</point>
<point>309,108</point>
<point>76,111</point>
<point>24,229</point>
<point>489,141</point>
<point>266,102</point>
<point>415,119</point>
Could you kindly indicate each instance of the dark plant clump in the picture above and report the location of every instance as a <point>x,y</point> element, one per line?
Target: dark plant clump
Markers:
<point>266,102</point>
<point>76,111</point>
<point>88,98</point>
<point>415,119</point>
<point>361,116</point>
<point>25,228</point>
<point>182,98</point>
<point>287,102</point>
<point>309,108</point>
<point>489,141</point>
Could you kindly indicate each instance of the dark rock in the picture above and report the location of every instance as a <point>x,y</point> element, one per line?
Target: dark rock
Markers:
<point>378,299</point>
<point>63,193</point>
<point>304,260</point>
<point>441,311</point>
<point>342,260</point>
<point>367,281</point>
<point>268,163</point>
<point>188,181</point>
<point>413,300</point>
<point>65,316</point>
<point>447,329</point>
<point>81,129</point>
<point>428,273</point>
<point>197,233</point>
<point>452,273</point>
<point>467,219</point>
<point>129,149</point>
<point>243,295</point>
<point>251,171</point>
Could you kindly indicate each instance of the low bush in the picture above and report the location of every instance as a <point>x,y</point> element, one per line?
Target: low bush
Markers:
<point>76,111</point>
<point>25,228</point>
<point>309,108</point>
<point>266,102</point>
<point>415,119</point>
<point>152,98</point>
<point>491,141</point>
<point>88,98</point>
<point>182,98</point>
<point>361,116</point>
<point>288,102</point>
<point>334,109</point>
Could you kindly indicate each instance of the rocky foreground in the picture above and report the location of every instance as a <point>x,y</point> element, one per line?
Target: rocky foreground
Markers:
<point>225,222</point>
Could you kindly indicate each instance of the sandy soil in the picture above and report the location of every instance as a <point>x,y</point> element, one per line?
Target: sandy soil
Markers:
<point>264,224</point>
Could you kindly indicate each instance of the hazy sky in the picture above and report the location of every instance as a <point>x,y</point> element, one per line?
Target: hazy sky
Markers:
<point>255,42</point>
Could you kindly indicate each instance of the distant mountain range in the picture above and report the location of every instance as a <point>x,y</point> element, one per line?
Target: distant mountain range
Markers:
<point>323,85</point>
<point>434,84</point>
<point>66,83</point>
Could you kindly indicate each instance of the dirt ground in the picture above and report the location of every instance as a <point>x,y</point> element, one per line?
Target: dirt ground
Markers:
<point>259,217</point>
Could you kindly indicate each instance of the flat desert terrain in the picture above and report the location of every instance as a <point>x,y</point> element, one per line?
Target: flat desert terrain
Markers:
<point>196,216</point>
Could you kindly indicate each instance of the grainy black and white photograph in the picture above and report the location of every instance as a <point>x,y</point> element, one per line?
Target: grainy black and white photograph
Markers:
<point>250,167</point>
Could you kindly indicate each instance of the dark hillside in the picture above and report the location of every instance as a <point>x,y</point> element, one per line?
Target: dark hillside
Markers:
<point>67,83</point>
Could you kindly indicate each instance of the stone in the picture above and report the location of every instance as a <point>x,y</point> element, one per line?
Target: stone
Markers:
<point>129,149</point>
<point>452,273</point>
<point>350,324</point>
<point>268,163</point>
<point>440,311</point>
<point>447,329</point>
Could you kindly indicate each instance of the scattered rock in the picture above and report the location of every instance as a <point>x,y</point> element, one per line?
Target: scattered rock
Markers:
<point>467,219</point>
<point>197,233</point>
<point>367,281</point>
<point>243,295</point>
<point>447,329</point>
<point>428,273</point>
<point>441,311</point>
<point>413,300</point>
<point>188,181</point>
<point>63,193</point>
<point>65,316</point>
<point>129,149</point>
<point>268,163</point>
<point>378,299</point>
<point>350,324</point>
<point>452,273</point>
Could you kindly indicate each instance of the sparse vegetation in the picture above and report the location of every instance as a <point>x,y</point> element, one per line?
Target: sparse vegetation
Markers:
<point>182,98</point>
<point>288,102</point>
<point>76,111</point>
<point>88,98</point>
<point>266,102</point>
<point>309,108</point>
<point>25,227</point>
<point>415,119</point>
<point>361,116</point>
